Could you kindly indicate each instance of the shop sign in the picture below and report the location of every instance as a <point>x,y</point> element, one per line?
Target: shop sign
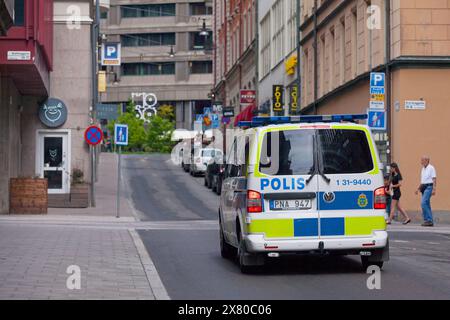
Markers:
<point>53,113</point>
<point>278,98</point>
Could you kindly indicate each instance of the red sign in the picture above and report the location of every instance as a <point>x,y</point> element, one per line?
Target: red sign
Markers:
<point>248,96</point>
<point>93,135</point>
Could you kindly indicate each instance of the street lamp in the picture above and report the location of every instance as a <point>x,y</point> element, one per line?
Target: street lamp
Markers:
<point>204,31</point>
<point>172,52</point>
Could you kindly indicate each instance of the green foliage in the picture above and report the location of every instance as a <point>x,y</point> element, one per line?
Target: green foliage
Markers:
<point>167,111</point>
<point>152,137</point>
<point>159,134</point>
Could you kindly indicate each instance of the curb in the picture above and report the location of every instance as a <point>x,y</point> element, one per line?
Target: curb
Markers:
<point>159,291</point>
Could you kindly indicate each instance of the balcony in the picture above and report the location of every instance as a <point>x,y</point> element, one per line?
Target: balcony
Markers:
<point>26,51</point>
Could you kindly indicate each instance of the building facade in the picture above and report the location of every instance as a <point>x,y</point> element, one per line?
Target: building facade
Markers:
<point>46,96</point>
<point>278,54</point>
<point>163,53</point>
<point>235,56</point>
<point>343,41</point>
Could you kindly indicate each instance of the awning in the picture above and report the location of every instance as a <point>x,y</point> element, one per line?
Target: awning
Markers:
<point>245,115</point>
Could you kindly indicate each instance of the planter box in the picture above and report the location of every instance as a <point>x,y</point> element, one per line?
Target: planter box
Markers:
<point>28,196</point>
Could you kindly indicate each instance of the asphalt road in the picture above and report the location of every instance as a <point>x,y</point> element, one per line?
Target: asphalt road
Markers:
<point>188,260</point>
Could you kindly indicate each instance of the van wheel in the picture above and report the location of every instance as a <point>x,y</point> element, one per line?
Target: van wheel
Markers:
<point>366,263</point>
<point>226,250</point>
<point>248,263</point>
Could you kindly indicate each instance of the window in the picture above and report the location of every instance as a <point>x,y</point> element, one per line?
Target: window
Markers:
<point>286,153</point>
<point>291,34</point>
<point>200,9</point>
<point>265,36</point>
<point>148,39</point>
<point>19,13</point>
<point>278,32</point>
<point>199,42</point>
<point>148,10</point>
<point>332,59</point>
<point>354,41</point>
<point>104,15</point>
<point>148,69</point>
<point>345,151</point>
<point>292,152</point>
<point>201,67</point>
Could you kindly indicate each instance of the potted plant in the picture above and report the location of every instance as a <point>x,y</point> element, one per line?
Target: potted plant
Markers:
<point>79,194</point>
<point>28,195</point>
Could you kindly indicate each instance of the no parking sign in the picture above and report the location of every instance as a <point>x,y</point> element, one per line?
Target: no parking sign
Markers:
<point>93,135</point>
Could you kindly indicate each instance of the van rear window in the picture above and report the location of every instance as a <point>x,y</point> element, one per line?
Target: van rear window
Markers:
<point>291,152</point>
<point>345,151</point>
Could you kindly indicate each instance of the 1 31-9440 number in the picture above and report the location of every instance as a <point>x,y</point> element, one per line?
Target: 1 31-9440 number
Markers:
<point>354,182</point>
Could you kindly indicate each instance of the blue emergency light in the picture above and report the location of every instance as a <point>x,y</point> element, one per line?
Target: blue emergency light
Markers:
<point>265,121</point>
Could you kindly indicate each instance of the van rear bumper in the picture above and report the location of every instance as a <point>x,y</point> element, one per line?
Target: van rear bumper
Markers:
<point>256,243</point>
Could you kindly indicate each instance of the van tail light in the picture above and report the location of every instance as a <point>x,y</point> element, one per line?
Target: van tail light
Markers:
<point>380,198</point>
<point>254,202</point>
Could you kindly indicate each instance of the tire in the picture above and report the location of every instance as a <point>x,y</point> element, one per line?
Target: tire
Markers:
<point>219,189</point>
<point>226,250</point>
<point>242,255</point>
<point>206,183</point>
<point>366,263</point>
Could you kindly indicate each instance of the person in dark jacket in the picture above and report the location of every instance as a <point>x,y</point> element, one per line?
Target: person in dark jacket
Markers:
<point>396,182</point>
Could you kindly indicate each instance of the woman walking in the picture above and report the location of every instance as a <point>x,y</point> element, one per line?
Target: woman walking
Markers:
<point>396,181</point>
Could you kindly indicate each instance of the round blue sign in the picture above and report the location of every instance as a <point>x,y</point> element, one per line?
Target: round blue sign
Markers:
<point>53,113</point>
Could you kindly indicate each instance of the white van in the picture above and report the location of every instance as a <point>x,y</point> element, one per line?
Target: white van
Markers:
<point>300,185</point>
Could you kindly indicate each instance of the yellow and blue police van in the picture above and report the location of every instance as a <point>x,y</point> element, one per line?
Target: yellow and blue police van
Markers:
<point>303,185</point>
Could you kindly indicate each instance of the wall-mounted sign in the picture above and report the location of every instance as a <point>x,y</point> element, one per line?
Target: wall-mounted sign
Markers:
<point>290,65</point>
<point>278,98</point>
<point>415,105</point>
<point>53,113</point>
<point>293,99</point>
<point>19,55</point>
<point>248,96</point>
<point>101,81</point>
<point>228,112</point>
<point>107,111</point>
<point>111,54</point>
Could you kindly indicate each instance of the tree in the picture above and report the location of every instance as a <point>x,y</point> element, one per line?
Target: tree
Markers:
<point>167,111</point>
<point>159,135</point>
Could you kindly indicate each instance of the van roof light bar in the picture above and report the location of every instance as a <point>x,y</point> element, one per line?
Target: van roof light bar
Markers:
<point>265,121</point>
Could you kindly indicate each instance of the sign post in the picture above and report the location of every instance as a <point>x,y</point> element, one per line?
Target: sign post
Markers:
<point>93,137</point>
<point>120,139</point>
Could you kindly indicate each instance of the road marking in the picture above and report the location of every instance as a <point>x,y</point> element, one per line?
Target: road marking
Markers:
<point>401,241</point>
<point>157,286</point>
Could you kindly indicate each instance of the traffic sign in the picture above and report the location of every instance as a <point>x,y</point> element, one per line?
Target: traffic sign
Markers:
<point>93,135</point>
<point>111,54</point>
<point>107,111</point>
<point>377,120</point>
<point>377,90</point>
<point>121,134</point>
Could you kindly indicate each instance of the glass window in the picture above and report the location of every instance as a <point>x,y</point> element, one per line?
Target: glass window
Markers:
<point>201,67</point>
<point>200,9</point>
<point>147,69</point>
<point>345,151</point>
<point>148,10</point>
<point>288,153</point>
<point>19,12</point>
<point>148,39</point>
<point>53,151</point>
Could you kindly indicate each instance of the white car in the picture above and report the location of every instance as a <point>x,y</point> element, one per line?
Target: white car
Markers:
<point>201,159</point>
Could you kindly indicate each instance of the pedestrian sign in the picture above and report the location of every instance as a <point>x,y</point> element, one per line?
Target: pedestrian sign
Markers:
<point>121,134</point>
<point>111,55</point>
<point>377,120</point>
<point>93,135</point>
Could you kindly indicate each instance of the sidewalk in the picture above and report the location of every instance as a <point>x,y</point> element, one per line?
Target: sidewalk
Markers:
<point>106,193</point>
<point>34,262</point>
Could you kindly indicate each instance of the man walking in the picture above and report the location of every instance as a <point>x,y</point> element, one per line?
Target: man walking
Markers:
<point>428,189</point>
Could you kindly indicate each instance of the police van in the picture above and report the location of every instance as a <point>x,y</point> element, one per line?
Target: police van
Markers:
<point>303,185</point>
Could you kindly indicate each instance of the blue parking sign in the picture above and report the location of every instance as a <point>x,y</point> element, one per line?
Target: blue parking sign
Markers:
<point>377,80</point>
<point>111,54</point>
<point>121,134</point>
<point>377,120</point>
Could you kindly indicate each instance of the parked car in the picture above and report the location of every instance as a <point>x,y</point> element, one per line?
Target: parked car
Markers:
<point>218,179</point>
<point>201,159</point>
<point>187,158</point>
<point>212,170</point>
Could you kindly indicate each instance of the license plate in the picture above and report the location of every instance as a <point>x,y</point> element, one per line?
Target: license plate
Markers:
<point>282,205</point>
